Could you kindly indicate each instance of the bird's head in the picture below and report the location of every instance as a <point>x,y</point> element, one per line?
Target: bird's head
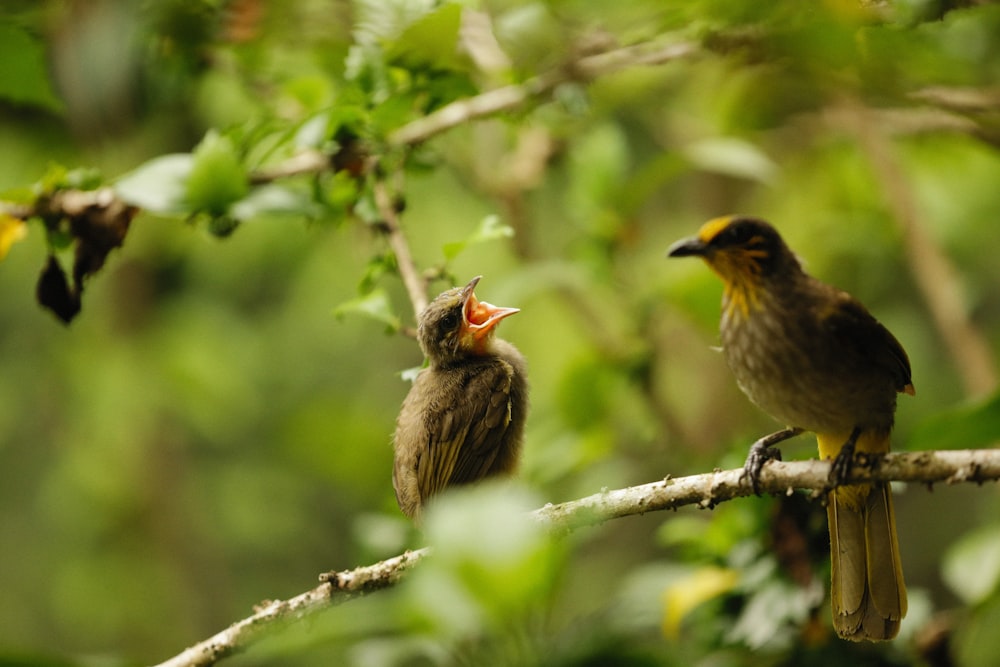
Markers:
<point>456,324</point>
<point>737,248</point>
<point>743,251</point>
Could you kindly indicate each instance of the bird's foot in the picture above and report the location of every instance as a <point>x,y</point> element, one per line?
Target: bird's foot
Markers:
<point>761,452</point>
<point>840,469</point>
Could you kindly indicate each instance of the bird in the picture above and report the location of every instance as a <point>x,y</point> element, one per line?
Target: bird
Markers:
<point>463,419</point>
<point>814,358</point>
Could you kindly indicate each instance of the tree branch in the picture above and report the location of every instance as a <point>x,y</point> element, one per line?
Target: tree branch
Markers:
<point>705,491</point>
<point>337,587</point>
<point>778,477</point>
<point>511,97</point>
<point>309,161</point>
<point>416,287</point>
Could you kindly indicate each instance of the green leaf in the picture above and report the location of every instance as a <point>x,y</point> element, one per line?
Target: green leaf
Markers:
<point>84,178</point>
<point>430,40</point>
<point>733,157</point>
<point>58,177</point>
<point>378,266</point>
<point>494,561</point>
<point>375,305</point>
<point>385,19</point>
<point>23,76</point>
<point>312,91</point>
<point>23,194</point>
<point>527,32</point>
<point>774,612</point>
<point>340,191</point>
<point>599,167</point>
<point>274,199</point>
<point>696,538</point>
<point>490,229</point>
<point>158,185</point>
<point>966,426</point>
<point>971,567</point>
<point>976,642</point>
<point>218,178</point>
<point>313,132</point>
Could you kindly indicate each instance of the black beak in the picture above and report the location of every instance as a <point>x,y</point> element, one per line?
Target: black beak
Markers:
<point>692,247</point>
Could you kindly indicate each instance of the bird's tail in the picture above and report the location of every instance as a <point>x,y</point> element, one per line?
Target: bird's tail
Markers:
<point>867,591</point>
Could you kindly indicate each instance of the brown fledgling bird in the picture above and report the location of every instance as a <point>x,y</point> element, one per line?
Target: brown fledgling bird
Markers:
<point>813,357</point>
<point>463,419</point>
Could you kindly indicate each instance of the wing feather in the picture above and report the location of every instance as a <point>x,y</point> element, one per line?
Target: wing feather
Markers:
<point>465,437</point>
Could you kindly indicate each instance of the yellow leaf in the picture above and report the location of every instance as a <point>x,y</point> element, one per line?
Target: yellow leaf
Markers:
<point>684,595</point>
<point>11,230</point>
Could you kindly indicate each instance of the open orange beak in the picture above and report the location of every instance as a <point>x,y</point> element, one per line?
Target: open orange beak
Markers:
<point>480,317</point>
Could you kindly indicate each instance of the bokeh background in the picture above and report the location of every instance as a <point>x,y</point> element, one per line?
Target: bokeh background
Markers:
<point>212,431</point>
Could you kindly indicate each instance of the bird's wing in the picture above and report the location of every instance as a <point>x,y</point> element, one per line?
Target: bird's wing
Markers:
<point>464,438</point>
<point>489,427</point>
<point>873,343</point>
<point>446,433</point>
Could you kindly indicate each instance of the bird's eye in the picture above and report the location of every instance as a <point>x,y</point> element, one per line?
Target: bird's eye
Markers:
<point>737,234</point>
<point>450,320</point>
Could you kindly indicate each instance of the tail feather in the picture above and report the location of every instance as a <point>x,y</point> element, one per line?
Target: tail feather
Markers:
<point>867,591</point>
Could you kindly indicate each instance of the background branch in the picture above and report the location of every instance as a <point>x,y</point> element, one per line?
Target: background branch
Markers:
<point>416,287</point>
<point>513,96</point>
<point>936,276</point>
<point>492,102</point>
<point>705,490</point>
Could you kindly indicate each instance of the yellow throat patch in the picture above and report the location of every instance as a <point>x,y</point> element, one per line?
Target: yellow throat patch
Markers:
<point>737,267</point>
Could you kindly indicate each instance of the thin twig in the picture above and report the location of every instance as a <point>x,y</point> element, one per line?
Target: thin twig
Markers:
<point>513,96</point>
<point>416,287</point>
<point>705,491</point>
<point>310,161</point>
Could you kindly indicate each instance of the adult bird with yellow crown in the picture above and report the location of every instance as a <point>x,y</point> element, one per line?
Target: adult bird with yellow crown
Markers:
<point>463,419</point>
<point>813,357</point>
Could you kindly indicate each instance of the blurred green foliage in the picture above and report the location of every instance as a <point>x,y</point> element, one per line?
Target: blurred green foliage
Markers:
<point>214,427</point>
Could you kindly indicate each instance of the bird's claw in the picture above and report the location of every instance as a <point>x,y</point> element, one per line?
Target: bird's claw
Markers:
<point>760,453</point>
<point>843,463</point>
<point>840,469</point>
